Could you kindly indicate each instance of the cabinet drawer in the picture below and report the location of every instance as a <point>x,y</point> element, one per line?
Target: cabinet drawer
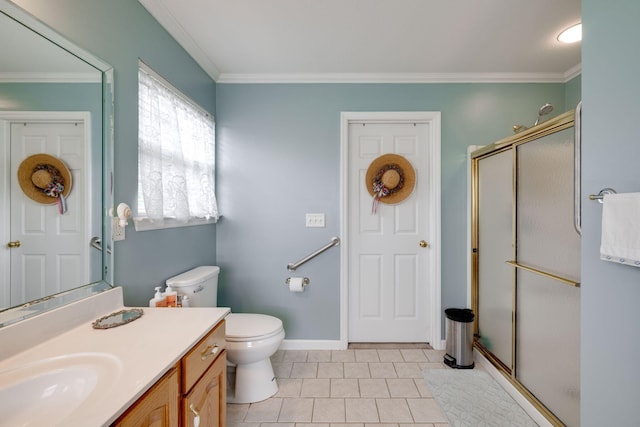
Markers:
<point>205,404</point>
<point>196,362</point>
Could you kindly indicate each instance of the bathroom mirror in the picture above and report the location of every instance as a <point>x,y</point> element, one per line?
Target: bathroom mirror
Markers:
<point>55,99</point>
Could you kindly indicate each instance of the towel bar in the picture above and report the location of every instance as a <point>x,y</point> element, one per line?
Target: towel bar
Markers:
<point>600,196</point>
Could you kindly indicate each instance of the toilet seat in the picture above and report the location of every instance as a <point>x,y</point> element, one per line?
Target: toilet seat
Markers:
<point>242,327</point>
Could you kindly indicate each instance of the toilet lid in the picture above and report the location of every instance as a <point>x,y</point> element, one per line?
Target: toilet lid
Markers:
<point>249,325</point>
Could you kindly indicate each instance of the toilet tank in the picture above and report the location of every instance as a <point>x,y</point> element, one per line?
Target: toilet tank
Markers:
<point>199,284</point>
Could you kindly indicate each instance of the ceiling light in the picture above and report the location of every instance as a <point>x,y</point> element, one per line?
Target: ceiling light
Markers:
<point>571,35</point>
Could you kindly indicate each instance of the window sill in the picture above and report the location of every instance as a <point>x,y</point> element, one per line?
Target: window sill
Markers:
<point>146,224</point>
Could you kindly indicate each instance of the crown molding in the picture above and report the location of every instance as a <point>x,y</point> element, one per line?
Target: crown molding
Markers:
<point>399,78</point>
<point>572,72</point>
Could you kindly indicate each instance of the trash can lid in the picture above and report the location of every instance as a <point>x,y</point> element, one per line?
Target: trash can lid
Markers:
<point>460,314</point>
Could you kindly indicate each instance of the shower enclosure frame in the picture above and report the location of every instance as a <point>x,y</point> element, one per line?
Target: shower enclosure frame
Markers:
<point>506,147</point>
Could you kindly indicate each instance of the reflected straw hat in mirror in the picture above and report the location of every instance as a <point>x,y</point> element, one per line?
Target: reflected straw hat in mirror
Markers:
<point>390,179</point>
<point>43,178</point>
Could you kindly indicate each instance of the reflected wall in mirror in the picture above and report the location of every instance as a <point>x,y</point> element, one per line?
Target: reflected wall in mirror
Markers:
<point>55,99</point>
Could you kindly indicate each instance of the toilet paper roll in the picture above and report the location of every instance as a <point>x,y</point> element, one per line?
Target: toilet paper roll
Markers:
<point>296,284</point>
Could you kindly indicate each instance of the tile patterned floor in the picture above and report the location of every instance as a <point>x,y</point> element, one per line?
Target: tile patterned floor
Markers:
<point>381,387</point>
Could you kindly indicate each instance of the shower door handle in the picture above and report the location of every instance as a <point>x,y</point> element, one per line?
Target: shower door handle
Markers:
<point>577,175</point>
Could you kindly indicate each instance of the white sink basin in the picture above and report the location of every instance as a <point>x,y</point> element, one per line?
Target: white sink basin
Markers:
<point>49,391</point>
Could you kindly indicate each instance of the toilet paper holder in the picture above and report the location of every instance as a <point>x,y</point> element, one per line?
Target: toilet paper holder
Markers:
<point>305,281</point>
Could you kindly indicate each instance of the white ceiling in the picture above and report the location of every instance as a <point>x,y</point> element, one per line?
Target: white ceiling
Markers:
<point>375,40</point>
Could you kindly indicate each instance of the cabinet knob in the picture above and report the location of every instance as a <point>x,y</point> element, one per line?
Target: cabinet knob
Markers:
<point>211,350</point>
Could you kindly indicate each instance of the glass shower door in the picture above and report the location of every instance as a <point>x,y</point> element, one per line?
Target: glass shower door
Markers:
<point>548,275</point>
<point>495,231</point>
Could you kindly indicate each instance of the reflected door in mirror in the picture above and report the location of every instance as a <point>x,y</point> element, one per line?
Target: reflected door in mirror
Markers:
<point>53,255</point>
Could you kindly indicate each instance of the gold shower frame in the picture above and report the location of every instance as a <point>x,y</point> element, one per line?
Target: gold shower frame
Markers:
<point>553,125</point>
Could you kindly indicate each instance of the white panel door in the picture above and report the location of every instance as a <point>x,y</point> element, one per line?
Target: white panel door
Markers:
<point>388,278</point>
<point>54,248</point>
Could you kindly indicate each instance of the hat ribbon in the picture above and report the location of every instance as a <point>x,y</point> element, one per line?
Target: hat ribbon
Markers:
<point>379,189</point>
<point>56,187</point>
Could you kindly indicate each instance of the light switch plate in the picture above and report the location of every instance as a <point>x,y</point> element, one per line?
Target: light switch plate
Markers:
<point>315,220</point>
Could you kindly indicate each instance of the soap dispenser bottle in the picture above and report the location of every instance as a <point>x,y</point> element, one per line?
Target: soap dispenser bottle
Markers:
<point>158,300</point>
<point>171,296</point>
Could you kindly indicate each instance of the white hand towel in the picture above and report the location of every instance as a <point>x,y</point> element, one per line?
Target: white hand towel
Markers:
<point>620,241</point>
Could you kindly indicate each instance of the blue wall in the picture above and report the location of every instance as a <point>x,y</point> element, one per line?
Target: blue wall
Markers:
<point>119,32</point>
<point>279,158</point>
<point>611,154</point>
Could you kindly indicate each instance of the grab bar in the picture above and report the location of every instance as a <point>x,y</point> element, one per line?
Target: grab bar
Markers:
<point>334,242</point>
<point>96,242</point>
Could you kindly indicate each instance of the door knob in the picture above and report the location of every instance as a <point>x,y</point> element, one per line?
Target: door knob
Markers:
<point>423,244</point>
<point>15,244</point>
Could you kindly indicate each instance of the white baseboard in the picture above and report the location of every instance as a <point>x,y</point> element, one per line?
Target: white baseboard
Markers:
<point>511,390</point>
<point>313,345</point>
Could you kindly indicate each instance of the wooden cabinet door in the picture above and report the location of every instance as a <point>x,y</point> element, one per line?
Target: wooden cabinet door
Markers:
<point>207,400</point>
<point>158,407</point>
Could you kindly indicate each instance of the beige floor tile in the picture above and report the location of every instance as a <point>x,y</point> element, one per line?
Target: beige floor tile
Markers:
<point>278,356</point>
<point>434,355</point>
<point>343,356</point>
<point>330,370</point>
<point>422,387</point>
<point>426,411</point>
<point>394,411</point>
<point>402,387</point>
<point>289,387</point>
<point>367,356</point>
<point>373,387</point>
<point>382,425</point>
<point>277,425</point>
<point>313,387</point>
<point>345,387</point>
<point>329,410</point>
<point>356,370</point>
<point>347,425</point>
<point>313,425</point>
<point>296,410</point>
<point>433,365</point>
<point>414,355</point>
<point>319,356</point>
<point>241,424</point>
<point>391,355</point>
<point>265,411</point>
<point>361,410</point>
<point>282,369</point>
<point>237,412</point>
<point>382,370</point>
<point>304,370</point>
<point>408,370</point>
<point>295,356</point>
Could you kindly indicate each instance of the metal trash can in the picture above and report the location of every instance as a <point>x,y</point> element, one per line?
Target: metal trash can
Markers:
<point>459,332</point>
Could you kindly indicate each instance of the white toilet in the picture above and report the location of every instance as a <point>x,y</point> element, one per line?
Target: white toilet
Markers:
<point>251,339</point>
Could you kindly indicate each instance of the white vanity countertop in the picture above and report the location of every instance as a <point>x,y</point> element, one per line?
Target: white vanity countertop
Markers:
<point>142,351</point>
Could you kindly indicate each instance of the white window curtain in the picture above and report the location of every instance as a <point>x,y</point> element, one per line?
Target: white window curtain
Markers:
<point>176,157</point>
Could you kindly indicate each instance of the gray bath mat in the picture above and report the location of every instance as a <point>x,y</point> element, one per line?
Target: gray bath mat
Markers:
<point>472,398</point>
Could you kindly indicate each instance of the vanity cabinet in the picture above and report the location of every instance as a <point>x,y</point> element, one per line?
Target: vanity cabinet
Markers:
<point>158,407</point>
<point>204,382</point>
<point>193,393</point>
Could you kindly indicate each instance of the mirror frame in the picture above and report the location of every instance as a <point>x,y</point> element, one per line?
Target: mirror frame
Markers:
<point>17,313</point>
